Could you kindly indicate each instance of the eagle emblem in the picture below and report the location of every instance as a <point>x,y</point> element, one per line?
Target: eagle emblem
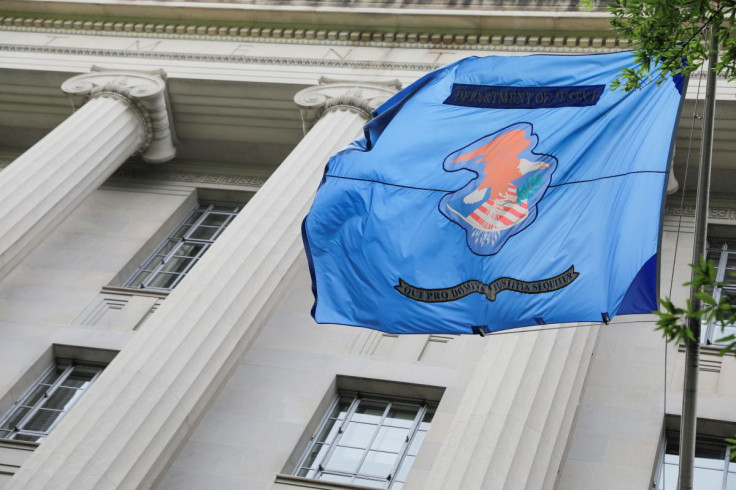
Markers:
<point>510,180</point>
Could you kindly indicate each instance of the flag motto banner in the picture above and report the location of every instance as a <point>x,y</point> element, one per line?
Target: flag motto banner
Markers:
<point>496,193</point>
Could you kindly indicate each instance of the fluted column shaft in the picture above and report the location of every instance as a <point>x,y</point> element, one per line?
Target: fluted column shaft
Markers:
<point>42,186</point>
<point>513,422</point>
<point>126,428</point>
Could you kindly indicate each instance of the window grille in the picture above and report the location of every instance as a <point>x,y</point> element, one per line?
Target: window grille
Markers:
<point>367,440</point>
<point>723,256</point>
<point>183,247</point>
<point>48,400</point>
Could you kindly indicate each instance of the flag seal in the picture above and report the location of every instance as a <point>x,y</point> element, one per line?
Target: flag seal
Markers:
<point>510,180</point>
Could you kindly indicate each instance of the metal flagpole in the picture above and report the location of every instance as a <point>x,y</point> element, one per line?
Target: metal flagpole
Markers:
<point>688,423</point>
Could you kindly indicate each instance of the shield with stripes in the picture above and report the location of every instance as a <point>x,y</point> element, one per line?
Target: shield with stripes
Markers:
<point>501,200</point>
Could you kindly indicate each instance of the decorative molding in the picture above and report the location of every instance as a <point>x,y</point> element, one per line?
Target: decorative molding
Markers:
<point>332,95</point>
<point>500,42</point>
<point>143,91</point>
<point>721,213</point>
<point>229,58</point>
<point>120,309</point>
<point>147,172</point>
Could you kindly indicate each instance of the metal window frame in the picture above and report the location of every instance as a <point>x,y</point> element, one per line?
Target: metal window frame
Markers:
<point>711,328</point>
<point>207,209</point>
<point>724,470</point>
<point>38,405</point>
<point>422,407</point>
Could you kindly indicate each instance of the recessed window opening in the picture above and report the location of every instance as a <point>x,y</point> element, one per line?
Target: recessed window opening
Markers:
<point>712,468</point>
<point>181,250</point>
<point>38,411</point>
<point>367,440</point>
<point>722,252</point>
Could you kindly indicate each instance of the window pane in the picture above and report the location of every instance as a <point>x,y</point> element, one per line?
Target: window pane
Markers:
<point>203,233</point>
<point>731,482</point>
<point>344,459</point>
<point>28,437</point>
<point>316,455</point>
<point>51,378</point>
<point>189,249</point>
<point>192,218</point>
<point>401,415</point>
<point>307,472</point>
<point>42,420</point>
<point>168,246</point>
<point>371,483</point>
<point>61,399</point>
<point>35,394</point>
<point>403,470</point>
<point>358,435</point>
<point>378,464</point>
<point>390,439</point>
<point>416,442</point>
<point>215,219</point>
<point>180,232</point>
<point>163,280</point>
<point>80,377</point>
<point>15,418</point>
<point>370,412</point>
<point>708,463</point>
<point>176,264</point>
<point>703,478</point>
<point>341,410</point>
<point>138,279</point>
<point>669,477</point>
<point>338,478</point>
<point>329,431</point>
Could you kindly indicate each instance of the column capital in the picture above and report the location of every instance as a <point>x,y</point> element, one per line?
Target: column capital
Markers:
<point>145,92</point>
<point>343,95</point>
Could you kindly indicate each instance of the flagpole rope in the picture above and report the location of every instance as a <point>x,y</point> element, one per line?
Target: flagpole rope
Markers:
<point>560,327</point>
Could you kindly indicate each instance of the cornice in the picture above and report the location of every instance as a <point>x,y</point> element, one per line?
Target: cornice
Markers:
<point>496,40</point>
<point>475,16</point>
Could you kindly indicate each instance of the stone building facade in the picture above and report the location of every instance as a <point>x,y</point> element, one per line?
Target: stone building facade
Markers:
<point>158,159</point>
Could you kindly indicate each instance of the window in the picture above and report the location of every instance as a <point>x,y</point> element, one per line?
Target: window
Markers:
<point>712,468</point>
<point>36,413</point>
<point>723,255</point>
<point>183,248</point>
<point>367,440</point>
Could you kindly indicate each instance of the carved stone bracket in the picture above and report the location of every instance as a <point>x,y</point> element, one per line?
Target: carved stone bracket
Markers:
<point>338,95</point>
<point>145,92</point>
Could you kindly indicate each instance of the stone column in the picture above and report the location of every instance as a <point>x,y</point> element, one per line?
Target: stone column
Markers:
<point>513,422</point>
<point>117,114</point>
<point>126,428</point>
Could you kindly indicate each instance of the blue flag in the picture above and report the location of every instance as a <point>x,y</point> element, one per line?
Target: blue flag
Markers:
<point>495,193</point>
